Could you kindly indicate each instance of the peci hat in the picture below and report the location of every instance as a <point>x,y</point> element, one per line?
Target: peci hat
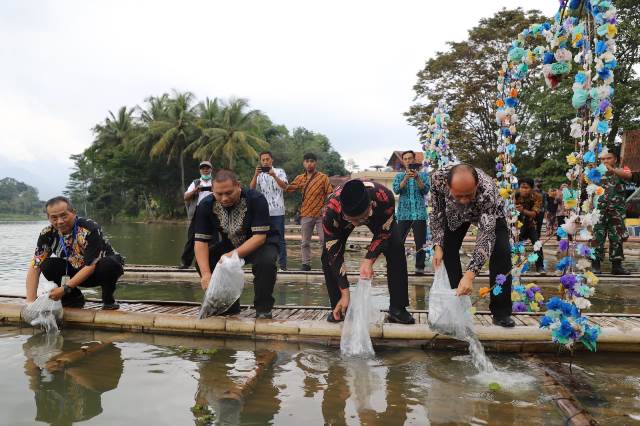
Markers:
<point>205,163</point>
<point>354,198</point>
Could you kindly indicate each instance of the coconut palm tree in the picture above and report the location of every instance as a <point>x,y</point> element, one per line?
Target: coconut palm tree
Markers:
<point>117,129</point>
<point>176,131</point>
<point>235,134</point>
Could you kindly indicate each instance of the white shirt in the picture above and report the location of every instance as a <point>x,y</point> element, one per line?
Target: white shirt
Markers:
<point>201,194</point>
<point>267,185</point>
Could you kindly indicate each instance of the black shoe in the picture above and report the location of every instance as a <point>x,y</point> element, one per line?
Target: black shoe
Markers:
<point>183,266</point>
<point>264,315</point>
<point>540,269</point>
<point>617,269</point>
<point>595,267</point>
<point>419,271</point>
<point>305,268</point>
<point>110,306</point>
<point>73,300</point>
<point>400,316</point>
<point>330,318</point>
<point>506,322</point>
<point>283,268</point>
<point>233,310</point>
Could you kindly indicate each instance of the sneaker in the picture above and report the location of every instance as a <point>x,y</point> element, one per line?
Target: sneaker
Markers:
<point>330,318</point>
<point>305,268</point>
<point>283,268</point>
<point>110,306</point>
<point>419,271</point>
<point>264,315</point>
<point>400,316</point>
<point>506,322</point>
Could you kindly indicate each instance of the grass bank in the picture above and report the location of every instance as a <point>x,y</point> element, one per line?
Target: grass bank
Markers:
<point>11,217</point>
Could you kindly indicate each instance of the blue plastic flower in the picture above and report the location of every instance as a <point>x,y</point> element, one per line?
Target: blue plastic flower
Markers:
<point>589,157</point>
<point>561,232</point>
<point>594,174</point>
<point>497,290</point>
<point>563,245</point>
<point>545,321</point>
<point>603,127</point>
<point>554,304</point>
<point>601,47</point>
<point>548,58</point>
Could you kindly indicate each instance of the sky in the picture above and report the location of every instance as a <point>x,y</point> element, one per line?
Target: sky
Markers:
<point>342,68</point>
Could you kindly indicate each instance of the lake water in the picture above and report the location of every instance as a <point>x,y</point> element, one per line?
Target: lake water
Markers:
<point>157,379</point>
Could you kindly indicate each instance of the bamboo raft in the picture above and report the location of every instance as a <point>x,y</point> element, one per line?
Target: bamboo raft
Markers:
<point>620,332</point>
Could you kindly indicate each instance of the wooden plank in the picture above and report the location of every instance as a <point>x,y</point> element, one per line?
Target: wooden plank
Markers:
<point>519,321</point>
<point>529,321</point>
<point>282,314</point>
<point>321,315</point>
<point>423,318</point>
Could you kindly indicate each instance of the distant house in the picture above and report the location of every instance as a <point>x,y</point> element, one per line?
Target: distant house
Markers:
<point>630,152</point>
<point>395,161</point>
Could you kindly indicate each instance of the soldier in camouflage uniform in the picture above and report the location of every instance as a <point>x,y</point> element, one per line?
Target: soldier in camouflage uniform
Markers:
<point>612,206</point>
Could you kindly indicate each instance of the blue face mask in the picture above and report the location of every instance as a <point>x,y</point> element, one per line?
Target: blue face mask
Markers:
<point>205,177</point>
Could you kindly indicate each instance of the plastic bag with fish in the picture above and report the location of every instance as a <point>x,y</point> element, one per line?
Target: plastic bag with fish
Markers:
<point>225,287</point>
<point>449,314</point>
<point>355,339</point>
<point>44,312</point>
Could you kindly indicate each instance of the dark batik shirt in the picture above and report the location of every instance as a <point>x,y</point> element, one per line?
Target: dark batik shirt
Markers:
<point>337,229</point>
<point>533,202</point>
<point>483,211</point>
<point>248,217</point>
<point>86,247</point>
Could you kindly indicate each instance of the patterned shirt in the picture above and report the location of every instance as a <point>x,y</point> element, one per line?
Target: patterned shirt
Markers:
<point>484,210</point>
<point>532,203</point>
<point>314,194</point>
<point>84,247</point>
<point>337,229</point>
<point>248,217</point>
<point>411,204</point>
<point>267,185</point>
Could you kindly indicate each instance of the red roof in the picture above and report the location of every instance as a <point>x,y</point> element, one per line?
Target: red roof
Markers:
<point>630,153</point>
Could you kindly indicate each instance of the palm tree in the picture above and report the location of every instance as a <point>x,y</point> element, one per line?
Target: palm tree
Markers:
<point>156,110</point>
<point>235,134</point>
<point>116,130</point>
<point>176,131</point>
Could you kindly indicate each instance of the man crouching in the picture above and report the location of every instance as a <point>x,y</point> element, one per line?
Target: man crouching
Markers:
<point>372,205</point>
<point>237,219</point>
<point>73,252</point>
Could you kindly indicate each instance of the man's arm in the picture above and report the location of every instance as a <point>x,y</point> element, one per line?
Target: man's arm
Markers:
<point>281,181</point>
<point>191,192</point>
<point>254,180</point>
<point>81,276</point>
<point>295,185</point>
<point>399,182</point>
<point>422,179</point>
<point>33,278</point>
<point>251,245</point>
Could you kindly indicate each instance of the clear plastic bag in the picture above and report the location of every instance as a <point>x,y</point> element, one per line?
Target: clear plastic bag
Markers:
<point>355,339</point>
<point>225,287</point>
<point>44,312</point>
<point>449,314</point>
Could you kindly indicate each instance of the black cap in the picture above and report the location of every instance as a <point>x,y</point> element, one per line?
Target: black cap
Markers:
<point>354,198</point>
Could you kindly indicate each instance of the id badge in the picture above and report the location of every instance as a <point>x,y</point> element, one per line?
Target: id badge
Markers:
<point>65,280</point>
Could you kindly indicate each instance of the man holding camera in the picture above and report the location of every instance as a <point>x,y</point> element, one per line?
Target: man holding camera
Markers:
<point>271,182</point>
<point>412,185</point>
<point>196,192</point>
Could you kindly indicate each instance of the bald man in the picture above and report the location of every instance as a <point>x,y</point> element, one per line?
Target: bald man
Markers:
<point>463,195</point>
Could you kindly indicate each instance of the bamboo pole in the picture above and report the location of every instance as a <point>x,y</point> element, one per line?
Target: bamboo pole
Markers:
<point>240,391</point>
<point>65,359</point>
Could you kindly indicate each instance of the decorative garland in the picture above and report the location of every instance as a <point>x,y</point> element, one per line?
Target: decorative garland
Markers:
<point>437,151</point>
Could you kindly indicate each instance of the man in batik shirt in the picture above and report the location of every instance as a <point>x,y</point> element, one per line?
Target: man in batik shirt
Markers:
<point>73,252</point>
<point>372,205</point>
<point>529,204</point>
<point>462,195</point>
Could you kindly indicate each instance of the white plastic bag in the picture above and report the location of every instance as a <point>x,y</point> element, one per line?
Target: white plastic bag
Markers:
<point>44,312</point>
<point>449,314</point>
<point>355,339</point>
<point>225,287</point>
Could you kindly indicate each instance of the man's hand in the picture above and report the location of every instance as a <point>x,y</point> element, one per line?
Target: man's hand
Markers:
<point>229,254</point>
<point>341,308</point>
<point>56,293</point>
<point>465,287</point>
<point>204,280</point>
<point>258,171</point>
<point>272,172</point>
<point>411,173</point>
<point>366,269</point>
<point>437,256</point>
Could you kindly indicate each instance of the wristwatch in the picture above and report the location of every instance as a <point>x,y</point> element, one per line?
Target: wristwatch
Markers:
<point>66,289</point>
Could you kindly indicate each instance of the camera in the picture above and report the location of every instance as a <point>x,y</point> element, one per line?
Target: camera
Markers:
<point>415,166</point>
<point>265,169</point>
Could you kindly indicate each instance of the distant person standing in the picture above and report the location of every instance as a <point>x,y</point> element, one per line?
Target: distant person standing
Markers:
<point>271,182</point>
<point>412,185</point>
<point>543,208</point>
<point>528,203</point>
<point>552,209</point>
<point>196,192</point>
<point>315,188</point>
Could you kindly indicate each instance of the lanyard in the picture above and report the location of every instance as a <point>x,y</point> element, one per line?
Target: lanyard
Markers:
<point>63,245</point>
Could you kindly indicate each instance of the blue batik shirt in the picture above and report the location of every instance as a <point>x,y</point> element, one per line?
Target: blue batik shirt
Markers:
<point>411,205</point>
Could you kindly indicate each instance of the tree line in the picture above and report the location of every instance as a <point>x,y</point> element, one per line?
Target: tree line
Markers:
<point>142,158</point>
<point>465,77</point>
<point>19,199</point>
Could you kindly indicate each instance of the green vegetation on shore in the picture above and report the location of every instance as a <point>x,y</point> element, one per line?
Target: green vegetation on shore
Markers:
<point>19,201</point>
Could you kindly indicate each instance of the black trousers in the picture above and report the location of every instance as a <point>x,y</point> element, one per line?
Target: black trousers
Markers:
<point>263,265</point>
<point>188,252</point>
<point>397,280</point>
<point>499,263</point>
<point>419,237</point>
<point>532,234</point>
<point>108,270</point>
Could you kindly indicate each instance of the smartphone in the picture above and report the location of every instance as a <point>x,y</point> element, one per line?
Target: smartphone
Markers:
<point>415,166</point>
<point>265,169</point>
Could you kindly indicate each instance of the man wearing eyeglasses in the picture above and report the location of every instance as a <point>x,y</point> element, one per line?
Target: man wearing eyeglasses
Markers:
<point>372,205</point>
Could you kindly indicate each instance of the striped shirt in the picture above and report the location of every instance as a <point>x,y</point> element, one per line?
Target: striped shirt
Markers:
<point>315,195</point>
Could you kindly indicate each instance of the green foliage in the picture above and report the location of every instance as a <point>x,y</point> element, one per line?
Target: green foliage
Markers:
<point>17,199</point>
<point>143,158</point>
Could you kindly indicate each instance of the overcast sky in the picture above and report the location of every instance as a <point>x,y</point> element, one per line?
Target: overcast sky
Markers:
<point>342,68</point>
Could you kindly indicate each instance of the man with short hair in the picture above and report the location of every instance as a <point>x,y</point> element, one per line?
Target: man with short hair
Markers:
<point>73,252</point>
<point>271,181</point>
<point>315,187</point>
<point>461,195</point>
<point>528,203</point>
<point>237,219</point>
<point>372,205</point>
<point>196,192</point>
<point>412,186</point>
